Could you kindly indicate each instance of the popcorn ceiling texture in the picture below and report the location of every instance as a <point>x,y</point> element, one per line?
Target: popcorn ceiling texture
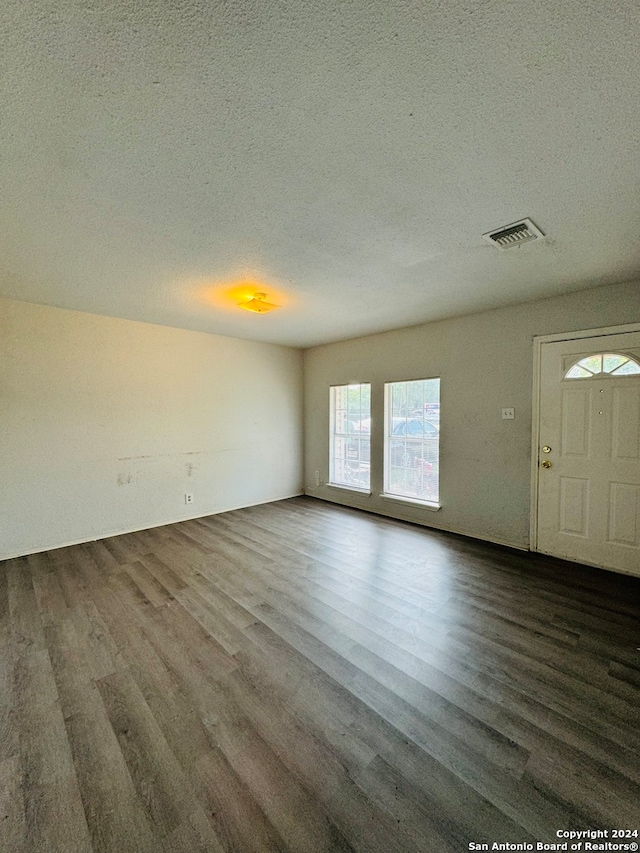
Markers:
<point>348,155</point>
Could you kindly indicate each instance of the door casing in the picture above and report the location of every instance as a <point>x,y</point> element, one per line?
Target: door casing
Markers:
<point>538,341</point>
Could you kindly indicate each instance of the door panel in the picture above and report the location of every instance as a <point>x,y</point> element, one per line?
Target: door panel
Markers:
<point>574,506</point>
<point>576,422</point>
<point>589,488</point>
<point>626,423</point>
<point>624,513</point>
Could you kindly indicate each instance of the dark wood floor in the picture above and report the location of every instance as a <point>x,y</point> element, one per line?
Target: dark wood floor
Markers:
<point>302,677</point>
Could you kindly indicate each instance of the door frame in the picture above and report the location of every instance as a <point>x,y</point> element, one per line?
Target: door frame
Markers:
<point>538,342</point>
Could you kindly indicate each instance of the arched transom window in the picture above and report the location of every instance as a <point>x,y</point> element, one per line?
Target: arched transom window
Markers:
<point>603,364</point>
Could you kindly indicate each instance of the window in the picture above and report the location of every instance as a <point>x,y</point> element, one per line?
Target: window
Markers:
<point>350,449</point>
<point>606,363</point>
<point>412,440</point>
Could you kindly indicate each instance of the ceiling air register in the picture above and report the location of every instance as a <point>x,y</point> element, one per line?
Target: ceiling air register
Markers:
<point>513,235</point>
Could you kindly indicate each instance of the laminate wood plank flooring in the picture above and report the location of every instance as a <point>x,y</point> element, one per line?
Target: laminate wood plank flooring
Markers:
<point>299,676</point>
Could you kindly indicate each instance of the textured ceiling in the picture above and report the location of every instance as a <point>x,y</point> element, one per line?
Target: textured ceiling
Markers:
<point>345,156</point>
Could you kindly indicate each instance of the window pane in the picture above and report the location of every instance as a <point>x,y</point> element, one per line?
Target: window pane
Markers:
<point>592,363</point>
<point>577,372</point>
<point>612,361</point>
<point>412,439</point>
<point>350,430</point>
<point>629,368</point>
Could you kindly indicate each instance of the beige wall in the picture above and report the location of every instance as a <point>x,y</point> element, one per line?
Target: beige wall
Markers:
<point>106,423</point>
<point>485,362</point>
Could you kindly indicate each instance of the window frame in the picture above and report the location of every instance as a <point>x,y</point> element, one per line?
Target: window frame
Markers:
<point>335,483</point>
<point>388,437</point>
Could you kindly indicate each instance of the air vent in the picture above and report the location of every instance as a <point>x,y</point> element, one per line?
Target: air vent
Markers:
<point>514,235</point>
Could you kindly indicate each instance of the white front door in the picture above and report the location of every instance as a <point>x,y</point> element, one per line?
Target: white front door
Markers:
<point>589,451</point>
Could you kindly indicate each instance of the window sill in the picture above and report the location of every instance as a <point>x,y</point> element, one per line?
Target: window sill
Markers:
<point>355,489</point>
<point>428,505</point>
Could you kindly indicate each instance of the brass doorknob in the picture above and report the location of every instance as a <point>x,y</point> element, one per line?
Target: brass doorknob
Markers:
<point>546,463</point>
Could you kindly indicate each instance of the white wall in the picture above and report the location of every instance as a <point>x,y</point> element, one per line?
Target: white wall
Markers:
<point>485,362</point>
<point>106,423</point>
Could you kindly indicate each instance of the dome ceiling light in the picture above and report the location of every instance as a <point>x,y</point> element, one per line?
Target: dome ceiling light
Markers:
<point>258,305</point>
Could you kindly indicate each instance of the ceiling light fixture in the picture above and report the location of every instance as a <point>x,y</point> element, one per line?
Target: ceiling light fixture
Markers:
<point>257,304</point>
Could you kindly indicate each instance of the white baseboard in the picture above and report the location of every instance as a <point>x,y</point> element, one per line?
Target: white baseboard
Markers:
<point>122,532</point>
<point>399,516</point>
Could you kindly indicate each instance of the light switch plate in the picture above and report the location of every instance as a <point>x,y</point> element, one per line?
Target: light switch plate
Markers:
<point>508,414</point>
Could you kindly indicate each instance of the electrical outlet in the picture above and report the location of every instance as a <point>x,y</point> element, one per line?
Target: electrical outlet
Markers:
<point>317,476</point>
<point>508,414</point>
<point>188,498</point>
